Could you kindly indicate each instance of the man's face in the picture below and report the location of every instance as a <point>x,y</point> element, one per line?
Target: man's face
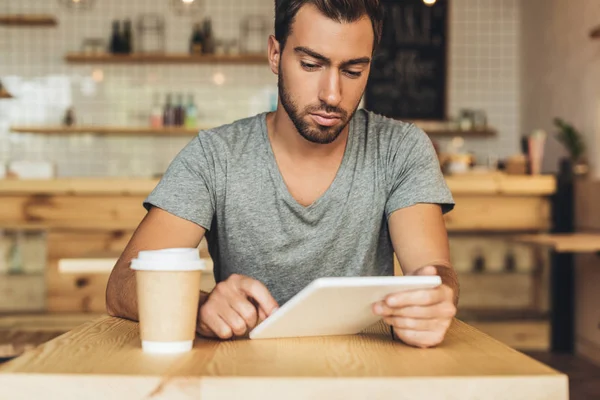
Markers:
<point>323,72</point>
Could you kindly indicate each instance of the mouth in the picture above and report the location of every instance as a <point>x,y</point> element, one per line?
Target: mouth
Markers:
<point>324,119</point>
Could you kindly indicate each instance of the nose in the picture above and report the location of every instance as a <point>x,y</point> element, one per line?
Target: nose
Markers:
<point>330,91</point>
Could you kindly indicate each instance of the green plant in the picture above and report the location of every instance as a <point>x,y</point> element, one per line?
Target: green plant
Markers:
<point>570,138</point>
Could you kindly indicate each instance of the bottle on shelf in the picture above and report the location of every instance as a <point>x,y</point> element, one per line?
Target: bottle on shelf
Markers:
<point>127,37</point>
<point>156,114</point>
<point>510,262</point>
<point>479,262</point>
<point>116,40</point>
<point>169,113</point>
<point>179,111</point>
<point>191,113</point>
<point>197,40</point>
<point>209,40</point>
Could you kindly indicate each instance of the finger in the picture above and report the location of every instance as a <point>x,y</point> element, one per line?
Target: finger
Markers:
<point>445,310</point>
<point>246,310</point>
<point>428,270</point>
<point>234,320</point>
<point>424,297</point>
<point>212,325</point>
<point>261,315</point>
<point>414,324</point>
<point>421,339</point>
<point>260,293</point>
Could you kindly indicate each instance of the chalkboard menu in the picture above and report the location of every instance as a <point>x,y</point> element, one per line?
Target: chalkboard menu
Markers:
<point>408,74</point>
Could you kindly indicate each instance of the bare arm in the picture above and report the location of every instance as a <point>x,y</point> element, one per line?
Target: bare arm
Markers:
<point>421,318</point>
<point>420,239</point>
<point>158,230</point>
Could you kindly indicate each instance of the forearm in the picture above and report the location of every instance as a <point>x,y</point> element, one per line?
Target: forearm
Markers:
<point>450,279</point>
<point>121,294</point>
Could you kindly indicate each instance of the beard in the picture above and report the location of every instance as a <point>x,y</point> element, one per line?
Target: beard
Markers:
<point>313,133</point>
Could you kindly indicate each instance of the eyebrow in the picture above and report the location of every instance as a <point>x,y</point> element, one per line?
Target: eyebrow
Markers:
<point>325,60</point>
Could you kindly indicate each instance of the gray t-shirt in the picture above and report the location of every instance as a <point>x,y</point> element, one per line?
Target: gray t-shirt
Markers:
<point>227,181</point>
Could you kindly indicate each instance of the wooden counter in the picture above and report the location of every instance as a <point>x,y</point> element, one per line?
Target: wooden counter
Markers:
<point>474,184</point>
<point>93,216</point>
<point>103,359</point>
<point>517,202</point>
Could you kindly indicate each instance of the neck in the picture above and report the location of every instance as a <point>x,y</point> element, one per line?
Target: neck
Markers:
<point>285,137</point>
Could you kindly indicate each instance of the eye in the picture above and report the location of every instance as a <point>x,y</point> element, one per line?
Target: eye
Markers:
<point>309,66</point>
<point>353,74</point>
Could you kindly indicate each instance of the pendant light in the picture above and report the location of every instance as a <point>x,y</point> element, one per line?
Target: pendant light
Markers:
<point>77,5</point>
<point>187,7</point>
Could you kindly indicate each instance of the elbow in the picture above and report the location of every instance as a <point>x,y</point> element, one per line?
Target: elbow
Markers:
<point>112,308</point>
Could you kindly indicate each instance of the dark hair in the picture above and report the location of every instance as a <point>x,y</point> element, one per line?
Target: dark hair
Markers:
<point>337,10</point>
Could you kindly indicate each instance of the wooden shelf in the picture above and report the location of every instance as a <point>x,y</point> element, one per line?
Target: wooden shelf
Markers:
<point>140,58</point>
<point>581,242</point>
<point>454,133</point>
<point>446,129</point>
<point>27,20</point>
<point>180,131</point>
<point>108,130</point>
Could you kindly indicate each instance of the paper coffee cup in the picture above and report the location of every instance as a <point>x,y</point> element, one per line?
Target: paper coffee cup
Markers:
<point>168,291</point>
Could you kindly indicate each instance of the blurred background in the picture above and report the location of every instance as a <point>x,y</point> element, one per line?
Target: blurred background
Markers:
<point>97,97</point>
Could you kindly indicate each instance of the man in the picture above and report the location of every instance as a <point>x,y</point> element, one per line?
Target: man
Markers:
<point>314,189</point>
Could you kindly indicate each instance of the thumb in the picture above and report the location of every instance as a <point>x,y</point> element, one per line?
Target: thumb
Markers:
<point>428,270</point>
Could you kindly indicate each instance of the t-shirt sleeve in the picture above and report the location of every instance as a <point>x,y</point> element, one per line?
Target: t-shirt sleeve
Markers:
<point>414,173</point>
<point>187,188</point>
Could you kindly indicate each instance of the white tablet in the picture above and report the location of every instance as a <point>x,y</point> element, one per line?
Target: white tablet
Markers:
<point>336,306</point>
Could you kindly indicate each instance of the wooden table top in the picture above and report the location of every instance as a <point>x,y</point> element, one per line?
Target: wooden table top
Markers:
<point>103,359</point>
<point>583,242</point>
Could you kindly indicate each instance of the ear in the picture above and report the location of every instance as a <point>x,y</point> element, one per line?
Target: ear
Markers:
<point>274,54</point>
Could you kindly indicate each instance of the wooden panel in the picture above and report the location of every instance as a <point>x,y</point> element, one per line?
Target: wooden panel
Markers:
<point>110,130</point>
<point>83,244</point>
<point>74,212</point>
<point>79,292</point>
<point>323,367</point>
<point>27,20</point>
<point>520,335</point>
<point>472,184</point>
<point>564,243</point>
<point>501,184</point>
<point>76,186</point>
<point>587,315</point>
<point>182,58</point>
<point>501,290</point>
<point>75,292</point>
<point>19,293</point>
<point>499,213</point>
<point>587,198</point>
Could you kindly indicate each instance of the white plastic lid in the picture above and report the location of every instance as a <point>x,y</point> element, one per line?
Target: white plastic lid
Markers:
<point>168,260</point>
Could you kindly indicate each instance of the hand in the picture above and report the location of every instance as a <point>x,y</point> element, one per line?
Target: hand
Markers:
<point>419,318</point>
<point>234,307</point>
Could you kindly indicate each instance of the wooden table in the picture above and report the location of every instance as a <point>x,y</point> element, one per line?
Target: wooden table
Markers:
<point>564,247</point>
<point>19,333</point>
<point>103,359</point>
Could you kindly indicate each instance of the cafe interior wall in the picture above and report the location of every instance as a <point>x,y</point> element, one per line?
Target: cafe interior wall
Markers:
<point>483,74</point>
<point>561,76</point>
<point>560,73</point>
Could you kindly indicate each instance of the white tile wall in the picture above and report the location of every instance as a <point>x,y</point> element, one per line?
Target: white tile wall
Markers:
<point>32,67</point>
<point>484,69</point>
<point>483,74</point>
